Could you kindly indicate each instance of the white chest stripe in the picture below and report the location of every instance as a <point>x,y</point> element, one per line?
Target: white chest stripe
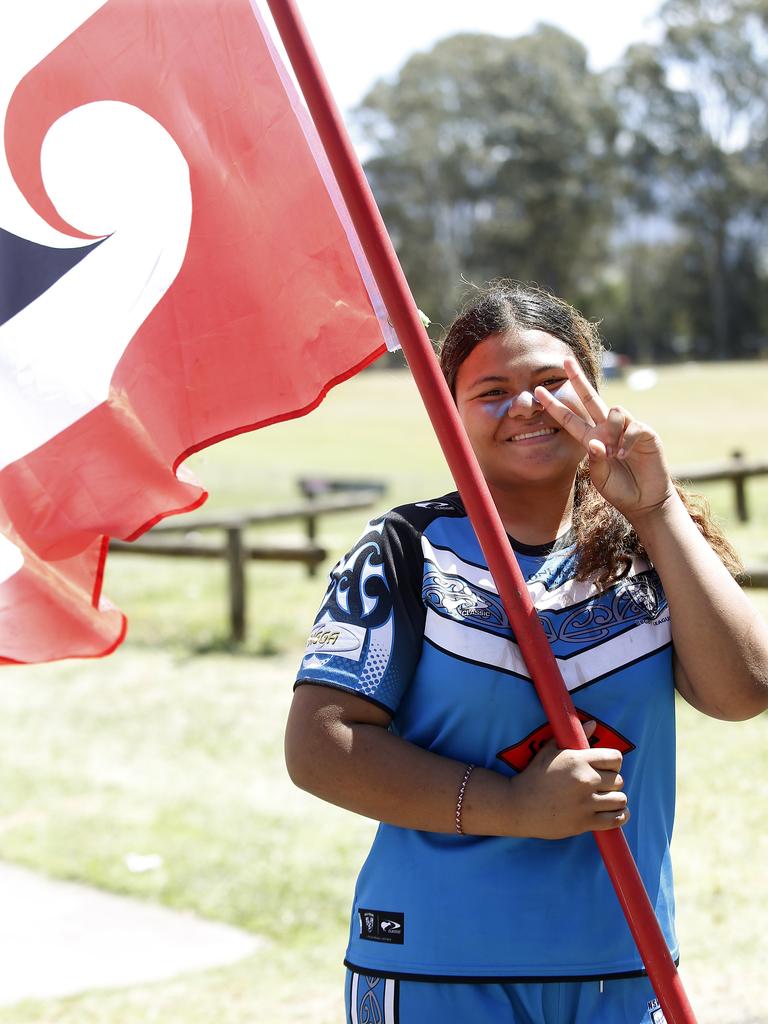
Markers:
<point>567,594</point>
<point>497,652</point>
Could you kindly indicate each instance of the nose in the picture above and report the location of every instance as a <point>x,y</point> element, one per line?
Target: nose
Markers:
<point>523,404</point>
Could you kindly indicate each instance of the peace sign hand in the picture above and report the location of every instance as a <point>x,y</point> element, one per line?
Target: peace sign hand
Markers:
<point>626,461</point>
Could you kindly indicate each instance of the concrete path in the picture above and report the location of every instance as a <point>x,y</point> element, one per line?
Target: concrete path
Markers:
<point>59,938</point>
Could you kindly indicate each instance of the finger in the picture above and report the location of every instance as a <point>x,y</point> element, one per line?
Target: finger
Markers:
<point>568,420</point>
<point>609,435</point>
<point>603,803</point>
<point>613,429</point>
<point>603,821</point>
<point>634,433</point>
<point>605,759</point>
<point>589,397</point>
<point>610,782</point>
<point>547,752</point>
<point>597,448</point>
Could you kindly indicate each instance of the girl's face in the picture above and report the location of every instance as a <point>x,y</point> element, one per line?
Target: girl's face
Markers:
<point>514,440</point>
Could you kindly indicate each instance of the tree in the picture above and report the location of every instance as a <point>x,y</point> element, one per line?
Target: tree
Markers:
<point>693,139</point>
<point>493,156</point>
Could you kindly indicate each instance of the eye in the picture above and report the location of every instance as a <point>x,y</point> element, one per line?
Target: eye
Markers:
<point>492,393</point>
<point>552,382</point>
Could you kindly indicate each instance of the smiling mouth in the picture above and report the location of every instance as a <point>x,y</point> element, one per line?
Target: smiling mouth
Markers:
<point>533,433</point>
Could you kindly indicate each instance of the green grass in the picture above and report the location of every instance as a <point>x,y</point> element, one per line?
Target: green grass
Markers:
<point>174,745</point>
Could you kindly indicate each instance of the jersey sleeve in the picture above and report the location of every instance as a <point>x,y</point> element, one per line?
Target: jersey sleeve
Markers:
<point>368,633</point>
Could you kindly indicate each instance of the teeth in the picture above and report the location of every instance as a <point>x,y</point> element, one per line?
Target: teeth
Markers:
<point>534,433</point>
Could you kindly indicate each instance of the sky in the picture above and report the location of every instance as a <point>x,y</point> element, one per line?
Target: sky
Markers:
<point>359,41</point>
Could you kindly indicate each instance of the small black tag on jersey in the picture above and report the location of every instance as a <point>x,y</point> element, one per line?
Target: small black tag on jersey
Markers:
<point>382,926</point>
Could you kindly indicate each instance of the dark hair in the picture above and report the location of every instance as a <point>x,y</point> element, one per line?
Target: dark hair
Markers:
<point>505,305</point>
<point>605,539</point>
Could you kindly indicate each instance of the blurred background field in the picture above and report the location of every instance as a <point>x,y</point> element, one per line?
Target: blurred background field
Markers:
<point>173,746</point>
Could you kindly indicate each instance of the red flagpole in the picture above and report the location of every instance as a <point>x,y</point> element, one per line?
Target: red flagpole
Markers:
<point>474,491</point>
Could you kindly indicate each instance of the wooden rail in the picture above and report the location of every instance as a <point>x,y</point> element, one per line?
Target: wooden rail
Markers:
<point>755,576</point>
<point>334,496</point>
<point>236,551</point>
<point>737,469</point>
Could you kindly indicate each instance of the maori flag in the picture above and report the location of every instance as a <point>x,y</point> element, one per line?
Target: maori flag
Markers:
<point>176,266</point>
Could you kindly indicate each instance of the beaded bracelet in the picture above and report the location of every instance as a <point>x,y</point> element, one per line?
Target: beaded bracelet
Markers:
<point>469,769</point>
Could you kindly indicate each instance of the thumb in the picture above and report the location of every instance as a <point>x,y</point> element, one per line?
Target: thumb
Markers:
<point>589,728</point>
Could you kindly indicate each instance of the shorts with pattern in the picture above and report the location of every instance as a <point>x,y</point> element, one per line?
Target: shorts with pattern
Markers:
<point>371,1000</point>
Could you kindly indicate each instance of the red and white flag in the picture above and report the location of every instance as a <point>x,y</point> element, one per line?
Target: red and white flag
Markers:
<point>176,266</point>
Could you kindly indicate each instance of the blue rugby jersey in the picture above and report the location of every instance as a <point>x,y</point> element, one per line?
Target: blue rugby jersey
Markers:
<point>412,621</point>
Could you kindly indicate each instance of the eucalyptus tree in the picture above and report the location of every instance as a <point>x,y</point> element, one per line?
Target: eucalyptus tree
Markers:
<point>694,114</point>
<point>494,156</point>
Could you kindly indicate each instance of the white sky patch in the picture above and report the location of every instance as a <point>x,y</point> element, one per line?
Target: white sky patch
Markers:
<point>28,32</point>
<point>359,43</point>
<point>11,559</point>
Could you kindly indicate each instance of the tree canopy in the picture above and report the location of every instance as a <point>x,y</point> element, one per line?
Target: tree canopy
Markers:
<point>637,193</point>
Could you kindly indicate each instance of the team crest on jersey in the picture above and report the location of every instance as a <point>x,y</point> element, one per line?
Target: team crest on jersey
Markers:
<point>382,926</point>
<point>520,755</point>
<point>639,595</point>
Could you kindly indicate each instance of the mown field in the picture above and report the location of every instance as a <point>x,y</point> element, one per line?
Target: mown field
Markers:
<point>174,745</point>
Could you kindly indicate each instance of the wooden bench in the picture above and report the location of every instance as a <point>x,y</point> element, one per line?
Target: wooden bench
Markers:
<point>177,539</point>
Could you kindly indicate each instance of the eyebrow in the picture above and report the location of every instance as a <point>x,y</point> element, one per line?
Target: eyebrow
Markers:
<point>501,378</point>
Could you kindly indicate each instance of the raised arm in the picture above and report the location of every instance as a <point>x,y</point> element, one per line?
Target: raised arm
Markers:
<point>720,639</point>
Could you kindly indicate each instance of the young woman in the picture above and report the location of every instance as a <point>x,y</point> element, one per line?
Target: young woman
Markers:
<point>483,897</point>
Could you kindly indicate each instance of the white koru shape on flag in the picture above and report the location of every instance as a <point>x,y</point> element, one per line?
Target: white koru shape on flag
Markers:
<point>112,171</point>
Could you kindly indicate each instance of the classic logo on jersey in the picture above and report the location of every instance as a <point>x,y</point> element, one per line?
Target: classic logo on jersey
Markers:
<point>520,755</point>
<point>333,638</point>
<point>456,598</point>
<point>382,926</point>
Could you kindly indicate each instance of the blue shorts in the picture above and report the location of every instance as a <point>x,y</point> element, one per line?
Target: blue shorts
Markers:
<point>388,1001</point>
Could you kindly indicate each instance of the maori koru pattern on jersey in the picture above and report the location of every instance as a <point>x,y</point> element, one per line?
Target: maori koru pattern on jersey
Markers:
<point>371,1010</point>
<point>358,590</point>
<point>633,600</point>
